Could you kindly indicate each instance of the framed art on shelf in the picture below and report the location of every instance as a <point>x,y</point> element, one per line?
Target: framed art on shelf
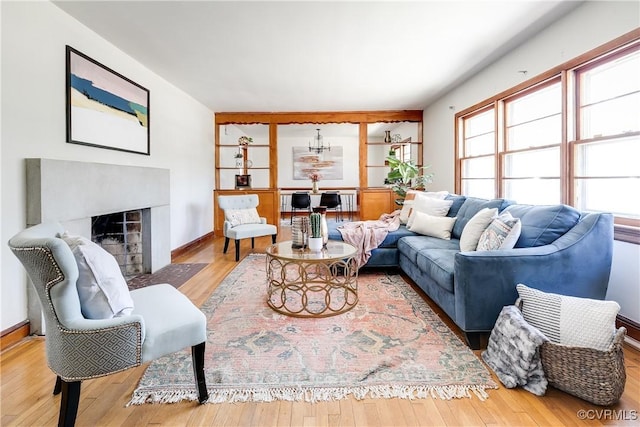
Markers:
<point>243,181</point>
<point>104,108</point>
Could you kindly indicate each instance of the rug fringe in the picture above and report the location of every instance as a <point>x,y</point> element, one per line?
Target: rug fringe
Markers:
<point>312,395</point>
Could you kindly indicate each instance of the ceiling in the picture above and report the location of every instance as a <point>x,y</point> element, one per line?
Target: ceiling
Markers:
<point>239,56</point>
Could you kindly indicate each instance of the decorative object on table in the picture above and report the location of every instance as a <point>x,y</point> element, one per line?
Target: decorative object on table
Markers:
<point>239,161</point>
<point>324,228</point>
<point>104,108</point>
<point>387,136</point>
<point>315,239</point>
<point>403,349</point>
<point>299,232</point>
<point>243,181</point>
<point>245,140</point>
<point>396,138</point>
<point>317,146</point>
<point>405,175</point>
<point>314,177</point>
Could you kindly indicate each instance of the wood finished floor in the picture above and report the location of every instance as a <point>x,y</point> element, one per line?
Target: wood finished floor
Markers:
<point>27,386</point>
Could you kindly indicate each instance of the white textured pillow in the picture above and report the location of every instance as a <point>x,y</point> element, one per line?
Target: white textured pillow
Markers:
<point>429,205</point>
<point>102,290</point>
<point>242,216</point>
<point>431,225</point>
<point>502,233</point>
<point>572,321</point>
<point>475,227</point>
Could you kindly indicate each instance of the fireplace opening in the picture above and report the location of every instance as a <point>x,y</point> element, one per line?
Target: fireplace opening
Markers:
<point>123,235</point>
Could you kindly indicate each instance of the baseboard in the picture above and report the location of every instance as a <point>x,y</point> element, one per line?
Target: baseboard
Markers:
<point>186,247</point>
<point>633,327</point>
<point>14,334</point>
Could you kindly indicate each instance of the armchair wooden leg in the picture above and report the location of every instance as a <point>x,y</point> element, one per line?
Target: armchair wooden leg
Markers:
<point>226,245</point>
<point>273,238</point>
<point>237,250</point>
<point>197,355</point>
<point>58,387</point>
<point>253,243</point>
<point>69,403</point>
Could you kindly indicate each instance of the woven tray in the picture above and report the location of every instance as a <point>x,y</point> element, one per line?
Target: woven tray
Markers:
<point>597,376</point>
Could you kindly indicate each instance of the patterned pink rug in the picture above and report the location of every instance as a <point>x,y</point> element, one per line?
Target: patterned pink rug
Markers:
<point>390,345</point>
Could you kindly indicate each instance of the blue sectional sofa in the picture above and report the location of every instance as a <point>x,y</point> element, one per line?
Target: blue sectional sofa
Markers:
<point>560,250</point>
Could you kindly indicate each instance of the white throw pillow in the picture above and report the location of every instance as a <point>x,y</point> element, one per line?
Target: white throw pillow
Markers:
<point>475,227</point>
<point>242,216</point>
<point>502,233</point>
<point>572,321</point>
<point>102,290</point>
<point>429,205</point>
<point>434,226</point>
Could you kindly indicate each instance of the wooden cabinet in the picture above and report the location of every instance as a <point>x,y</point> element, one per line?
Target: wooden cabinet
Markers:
<point>268,206</point>
<point>376,201</point>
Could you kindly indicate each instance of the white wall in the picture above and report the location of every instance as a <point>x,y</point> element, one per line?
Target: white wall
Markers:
<point>588,26</point>
<point>34,35</point>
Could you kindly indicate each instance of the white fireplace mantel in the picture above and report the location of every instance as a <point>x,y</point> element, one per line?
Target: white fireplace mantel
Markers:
<point>71,193</point>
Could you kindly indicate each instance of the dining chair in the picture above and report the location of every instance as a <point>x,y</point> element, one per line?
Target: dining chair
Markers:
<point>332,201</point>
<point>300,200</point>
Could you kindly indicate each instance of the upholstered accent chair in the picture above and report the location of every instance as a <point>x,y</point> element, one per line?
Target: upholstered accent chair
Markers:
<point>162,321</point>
<point>241,221</point>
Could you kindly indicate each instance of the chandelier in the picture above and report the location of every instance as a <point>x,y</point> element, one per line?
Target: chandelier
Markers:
<point>317,145</point>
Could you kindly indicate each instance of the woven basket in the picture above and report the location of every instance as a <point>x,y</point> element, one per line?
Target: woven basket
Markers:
<point>597,376</point>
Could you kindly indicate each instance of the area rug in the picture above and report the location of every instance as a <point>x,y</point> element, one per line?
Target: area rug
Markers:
<point>390,345</point>
<point>173,274</point>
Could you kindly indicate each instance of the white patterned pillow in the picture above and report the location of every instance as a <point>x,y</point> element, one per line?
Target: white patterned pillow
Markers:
<point>434,226</point>
<point>572,321</point>
<point>502,233</point>
<point>475,227</point>
<point>242,216</point>
<point>102,290</point>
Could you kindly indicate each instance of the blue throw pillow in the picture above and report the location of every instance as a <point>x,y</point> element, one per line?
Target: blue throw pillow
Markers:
<point>543,224</point>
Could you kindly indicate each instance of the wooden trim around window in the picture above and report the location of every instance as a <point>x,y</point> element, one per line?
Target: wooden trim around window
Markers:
<point>626,233</point>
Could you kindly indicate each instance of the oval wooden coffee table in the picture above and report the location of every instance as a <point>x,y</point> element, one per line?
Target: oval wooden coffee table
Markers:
<point>301,283</point>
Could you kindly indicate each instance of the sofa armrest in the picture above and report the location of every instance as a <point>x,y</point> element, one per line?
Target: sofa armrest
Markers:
<point>578,264</point>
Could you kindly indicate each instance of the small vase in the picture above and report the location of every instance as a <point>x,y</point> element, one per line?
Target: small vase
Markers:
<point>387,136</point>
<point>314,187</point>
<point>315,244</point>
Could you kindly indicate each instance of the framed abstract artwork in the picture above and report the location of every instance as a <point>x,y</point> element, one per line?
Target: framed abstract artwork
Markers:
<point>104,108</point>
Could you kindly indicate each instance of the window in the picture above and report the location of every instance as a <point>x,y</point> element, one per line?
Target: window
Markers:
<point>607,147</point>
<point>570,136</point>
<point>478,157</point>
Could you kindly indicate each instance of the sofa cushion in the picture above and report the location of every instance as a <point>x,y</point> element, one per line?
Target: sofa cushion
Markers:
<point>470,207</point>
<point>455,206</point>
<point>542,225</point>
<point>411,245</point>
<point>438,264</point>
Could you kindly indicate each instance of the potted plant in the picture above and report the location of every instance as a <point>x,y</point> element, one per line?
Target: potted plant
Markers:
<point>315,240</point>
<point>404,176</point>
<point>245,140</point>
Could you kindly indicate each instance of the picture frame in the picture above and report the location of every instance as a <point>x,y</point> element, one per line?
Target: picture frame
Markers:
<point>104,108</point>
<point>243,181</point>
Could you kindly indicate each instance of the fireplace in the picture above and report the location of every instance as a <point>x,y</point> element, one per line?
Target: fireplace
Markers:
<point>122,234</point>
<point>75,193</point>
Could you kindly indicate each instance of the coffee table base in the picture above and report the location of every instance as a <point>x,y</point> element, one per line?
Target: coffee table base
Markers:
<point>318,288</point>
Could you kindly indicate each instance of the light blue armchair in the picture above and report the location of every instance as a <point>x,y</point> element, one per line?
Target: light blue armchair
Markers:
<point>242,221</point>
<point>163,321</point>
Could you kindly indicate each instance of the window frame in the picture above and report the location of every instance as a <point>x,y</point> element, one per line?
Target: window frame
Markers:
<point>568,75</point>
